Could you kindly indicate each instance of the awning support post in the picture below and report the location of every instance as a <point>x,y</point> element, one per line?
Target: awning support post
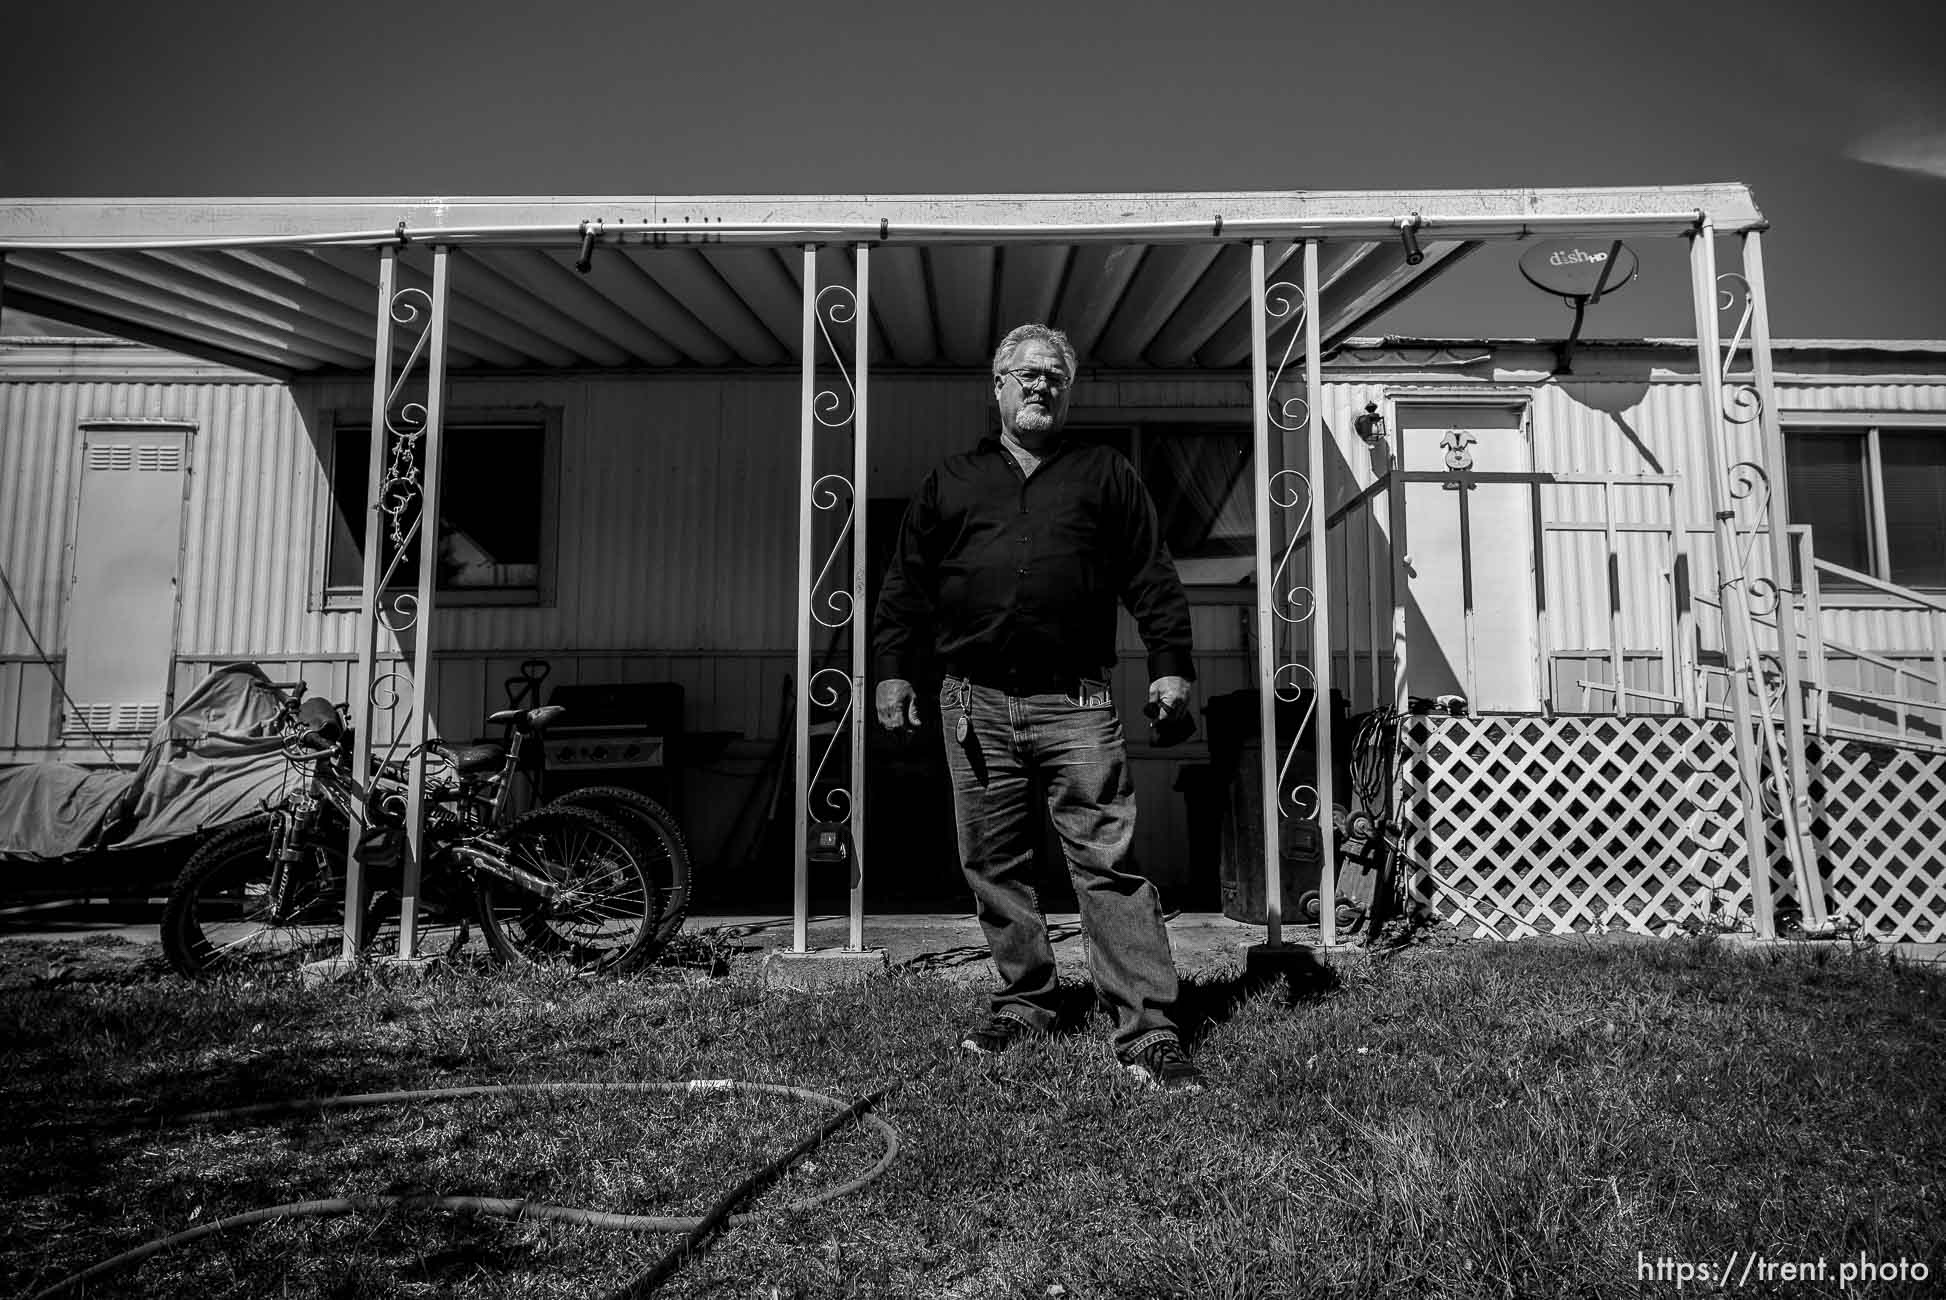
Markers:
<point>1283,601</point>
<point>1268,802</point>
<point>1729,575</point>
<point>861,616</point>
<point>806,475</point>
<point>1320,599</point>
<point>402,486</point>
<point>432,433</point>
<point>831,812</point>
<point>361,693</point>
<point>1810,884</point>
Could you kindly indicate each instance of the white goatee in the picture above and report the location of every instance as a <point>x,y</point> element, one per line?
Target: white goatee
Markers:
<point>1033,419</point>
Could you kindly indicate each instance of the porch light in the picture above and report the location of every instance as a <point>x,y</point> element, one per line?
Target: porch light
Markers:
<point>1371,425</point>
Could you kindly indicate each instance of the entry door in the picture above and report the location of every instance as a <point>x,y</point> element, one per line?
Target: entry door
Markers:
<point>1472,624</point>
<point>121,619</point>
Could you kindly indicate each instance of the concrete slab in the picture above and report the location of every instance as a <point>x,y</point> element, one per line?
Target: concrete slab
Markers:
<point>1301,967</point>
<point>954,940</point>
<point>315,973</point>
<point>396,965</point>
<point>1928,953</point>
<point>821,968</point>
<point>941,940</point>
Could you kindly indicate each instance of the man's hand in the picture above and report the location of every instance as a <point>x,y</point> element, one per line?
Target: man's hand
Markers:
<point>1169,695</point>
<point>898,705</point>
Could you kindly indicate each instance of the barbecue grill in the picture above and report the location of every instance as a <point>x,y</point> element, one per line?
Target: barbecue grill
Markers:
<point>618,733</point>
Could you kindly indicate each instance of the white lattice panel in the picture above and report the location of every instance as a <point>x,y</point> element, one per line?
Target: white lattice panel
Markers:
<point>1878,823</point>
<point>1519,826</point>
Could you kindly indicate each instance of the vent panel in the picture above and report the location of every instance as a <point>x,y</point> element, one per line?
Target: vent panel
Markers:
<point>110,719</point>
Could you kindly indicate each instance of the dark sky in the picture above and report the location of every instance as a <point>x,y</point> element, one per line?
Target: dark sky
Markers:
<point>436,97</point>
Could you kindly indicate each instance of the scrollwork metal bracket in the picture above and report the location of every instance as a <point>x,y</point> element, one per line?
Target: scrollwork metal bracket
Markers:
<point>832,603</point>
<point>1290,495</point>
<point>1741,401</point>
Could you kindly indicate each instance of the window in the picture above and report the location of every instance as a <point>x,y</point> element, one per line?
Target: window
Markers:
<point>1197,472</point>
<point>1874,496</point>
<point>495,504</point>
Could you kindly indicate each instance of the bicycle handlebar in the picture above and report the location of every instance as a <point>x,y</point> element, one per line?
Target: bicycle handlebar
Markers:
<point>308,744</point>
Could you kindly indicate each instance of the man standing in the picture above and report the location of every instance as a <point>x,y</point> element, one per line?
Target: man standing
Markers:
<point>1013,557</point>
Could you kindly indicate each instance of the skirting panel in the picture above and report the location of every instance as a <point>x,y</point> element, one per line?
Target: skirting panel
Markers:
<point>1878,821</point>
<point>1520,826</point>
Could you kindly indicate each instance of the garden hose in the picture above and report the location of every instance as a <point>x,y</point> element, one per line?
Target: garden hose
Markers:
<point>696,1230</point>
<point>720,1215</point>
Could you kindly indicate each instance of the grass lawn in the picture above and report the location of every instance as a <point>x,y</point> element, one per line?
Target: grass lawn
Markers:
<point>1473,1120</point>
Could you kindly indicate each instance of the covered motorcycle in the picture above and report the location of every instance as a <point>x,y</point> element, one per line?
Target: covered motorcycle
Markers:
<point>216,759</point>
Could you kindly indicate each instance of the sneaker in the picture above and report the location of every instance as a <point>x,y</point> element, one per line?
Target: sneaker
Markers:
<point>1163,1065</point>
<point>996,1035</point>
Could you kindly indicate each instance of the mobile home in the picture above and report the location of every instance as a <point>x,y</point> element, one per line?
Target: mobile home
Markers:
<point>674,438</point>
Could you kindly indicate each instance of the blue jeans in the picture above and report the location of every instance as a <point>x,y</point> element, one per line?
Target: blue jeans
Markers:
<point>1075,743</point>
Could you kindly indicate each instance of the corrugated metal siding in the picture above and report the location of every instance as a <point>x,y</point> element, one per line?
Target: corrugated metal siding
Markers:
<point>1652,429</point>
<point>916,423</point>
<point>247,562</point>
<point>40,440</point>
<point>1881,630</point>
<point>693,482</point>
<point>1567,672</point>
<point>676,520</point>
<point>1580,586</point>
<point>27,694</point>
<point>1629,428</point>
<point>677,517</point>
<point>649,461</point>
<point>676,542</point>
<point>1797,398</point>
<point>242,529</point>
<point>1885,716</point>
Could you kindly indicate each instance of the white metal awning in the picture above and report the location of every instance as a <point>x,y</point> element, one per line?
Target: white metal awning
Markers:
<point>286,286</point>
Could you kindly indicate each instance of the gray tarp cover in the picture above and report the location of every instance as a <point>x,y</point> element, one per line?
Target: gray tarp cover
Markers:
<point>213,760</point>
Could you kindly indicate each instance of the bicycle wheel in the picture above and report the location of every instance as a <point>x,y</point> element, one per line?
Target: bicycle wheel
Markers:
<point>650,823</point>
<point>602,918</point>
<point>235,909</point>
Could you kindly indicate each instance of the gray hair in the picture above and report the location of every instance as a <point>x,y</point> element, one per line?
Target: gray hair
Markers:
<point>1026,333</point>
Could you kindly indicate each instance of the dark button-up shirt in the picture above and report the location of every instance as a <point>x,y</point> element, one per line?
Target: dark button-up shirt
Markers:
<point>1017,577</point>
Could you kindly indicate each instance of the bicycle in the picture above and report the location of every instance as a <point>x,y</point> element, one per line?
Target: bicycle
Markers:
<point>659,836</point>
<point>560,883</point>
<point>651,823</point>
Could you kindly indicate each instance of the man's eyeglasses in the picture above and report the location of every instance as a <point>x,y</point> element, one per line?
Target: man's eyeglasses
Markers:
<point>1053,380</point>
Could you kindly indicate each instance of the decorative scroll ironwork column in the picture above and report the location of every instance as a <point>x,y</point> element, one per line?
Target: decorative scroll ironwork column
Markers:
<point>801,714</point>
<point>1752,398</point>
<point>427,524</point>
<point>861,640</point>
<point>1314,461</point>
<point>1284,603</point>
<point>1732,593</point>
<point>834,810</point>
<point>402,474</point>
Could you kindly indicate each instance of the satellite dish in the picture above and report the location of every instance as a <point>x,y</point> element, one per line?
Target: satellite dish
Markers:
<point>1582,271</point>
<point>1579,268</point>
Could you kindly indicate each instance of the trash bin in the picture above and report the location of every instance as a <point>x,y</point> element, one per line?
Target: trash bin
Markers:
<point>1235,755</point>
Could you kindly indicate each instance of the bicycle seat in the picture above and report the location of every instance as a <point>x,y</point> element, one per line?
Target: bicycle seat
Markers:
<point>528,719</point>
<point>475,758</point>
